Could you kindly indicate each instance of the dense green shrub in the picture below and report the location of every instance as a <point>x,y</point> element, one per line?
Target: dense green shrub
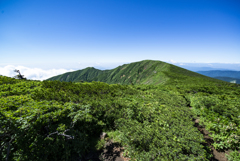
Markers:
<point>233,156</point>
<point>53,120</point>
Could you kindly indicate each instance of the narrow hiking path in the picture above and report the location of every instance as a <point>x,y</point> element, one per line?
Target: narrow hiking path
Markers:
<point>217,156</point>
<point>114,151</point>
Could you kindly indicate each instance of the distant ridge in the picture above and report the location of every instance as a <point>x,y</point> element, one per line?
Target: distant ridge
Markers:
<point>79,75</point>
<point>229,79</point>
<point>221,73</point>
<point>142,72</point>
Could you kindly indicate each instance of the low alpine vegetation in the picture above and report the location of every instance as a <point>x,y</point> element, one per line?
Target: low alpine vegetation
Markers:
<point>53,120</point>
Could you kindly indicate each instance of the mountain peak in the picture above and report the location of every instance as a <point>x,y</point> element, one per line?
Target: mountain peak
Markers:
<point>141,72</point>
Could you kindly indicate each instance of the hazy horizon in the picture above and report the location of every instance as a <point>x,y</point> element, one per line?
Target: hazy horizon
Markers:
<point>37,73</point>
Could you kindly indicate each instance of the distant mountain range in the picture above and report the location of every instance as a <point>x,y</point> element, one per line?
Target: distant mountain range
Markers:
<point>225,75</point>
<point>221,73</point>
<point>143,72</point>
<point>228,79</point>
<point>196,69</point>
<point>209,66</point>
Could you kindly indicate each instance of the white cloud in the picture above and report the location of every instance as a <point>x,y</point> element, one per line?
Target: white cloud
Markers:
<point>172,61</point>
<point>31,73</point>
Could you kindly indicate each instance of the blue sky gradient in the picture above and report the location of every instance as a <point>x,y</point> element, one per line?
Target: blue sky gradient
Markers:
<point>68,33</point>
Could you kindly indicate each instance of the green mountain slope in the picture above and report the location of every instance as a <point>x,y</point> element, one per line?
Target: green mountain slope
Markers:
<point>79,75</point>
<point>52,120</point>
<point>143,72</point>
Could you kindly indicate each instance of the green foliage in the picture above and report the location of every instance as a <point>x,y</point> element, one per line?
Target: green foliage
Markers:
<point>100,144</point>
<point>163,135</point>
<point>233,156</point>
<point>220,114</point>
<point>221,118</point>
<point>115,136</point>
<point>54,120</point>
<point>218,106</point>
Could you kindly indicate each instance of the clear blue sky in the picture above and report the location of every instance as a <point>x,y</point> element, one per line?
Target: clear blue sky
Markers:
<point>56,32</point>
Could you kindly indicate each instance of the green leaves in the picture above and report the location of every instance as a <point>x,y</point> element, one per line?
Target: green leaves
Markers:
<point>219,118</point>
<point>54,120</point>
<point>233,156</point>
<point>161,129</point>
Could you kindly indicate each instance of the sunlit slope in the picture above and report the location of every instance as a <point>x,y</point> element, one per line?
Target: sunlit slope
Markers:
<point>178,75</point>
<point>79,75</point>
<point>143,72</point>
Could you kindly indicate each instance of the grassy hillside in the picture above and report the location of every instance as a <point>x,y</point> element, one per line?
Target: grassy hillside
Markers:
<point>79,75</point>
<point>143,72</point>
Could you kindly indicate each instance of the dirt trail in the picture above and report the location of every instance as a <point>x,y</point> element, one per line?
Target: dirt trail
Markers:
<point>114,152</point>
<point>111,152</point>
<point>217,156</point>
